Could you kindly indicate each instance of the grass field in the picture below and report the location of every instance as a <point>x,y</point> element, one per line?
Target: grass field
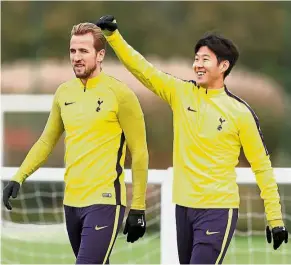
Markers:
<point>145,251</point>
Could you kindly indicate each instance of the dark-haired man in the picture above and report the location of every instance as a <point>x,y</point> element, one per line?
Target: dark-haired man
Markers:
<point>210,127</point>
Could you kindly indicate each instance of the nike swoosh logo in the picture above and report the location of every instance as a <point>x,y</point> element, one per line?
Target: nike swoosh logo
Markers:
<point>100,227</point>
<point>69,103</point>
<point>191,109</point>
<point>211,233</point>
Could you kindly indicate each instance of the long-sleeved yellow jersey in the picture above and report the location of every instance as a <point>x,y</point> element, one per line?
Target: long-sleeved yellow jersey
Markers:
<point>99,119</point>
<point>210,127</point>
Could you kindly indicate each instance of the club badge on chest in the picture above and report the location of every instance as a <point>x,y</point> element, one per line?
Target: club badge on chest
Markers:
<point>221,120</point>
<point>99,102</point>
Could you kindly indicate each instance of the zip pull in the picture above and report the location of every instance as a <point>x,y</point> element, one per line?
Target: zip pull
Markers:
<point>84,89</point>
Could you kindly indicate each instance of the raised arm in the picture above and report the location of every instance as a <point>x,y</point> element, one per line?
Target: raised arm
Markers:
<point>162,84</point>
<point>38,153</point>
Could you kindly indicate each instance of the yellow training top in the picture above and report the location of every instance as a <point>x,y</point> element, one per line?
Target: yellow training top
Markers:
<point>210,127</point>
<point>99,120</point>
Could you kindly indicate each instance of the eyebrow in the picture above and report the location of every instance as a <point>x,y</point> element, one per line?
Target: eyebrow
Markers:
<point>79,49</point>
<point>202,55</point>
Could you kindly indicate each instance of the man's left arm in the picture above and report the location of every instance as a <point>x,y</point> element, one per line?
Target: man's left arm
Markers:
<point>131,120</point>
<point>257,154</point>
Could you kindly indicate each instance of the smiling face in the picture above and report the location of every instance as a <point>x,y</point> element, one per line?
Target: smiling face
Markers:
<point>85,60</point>
<point>209,72</point>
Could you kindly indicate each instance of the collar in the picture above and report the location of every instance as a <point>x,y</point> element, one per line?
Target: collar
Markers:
<point>92,82</point>
<point>212,91</point>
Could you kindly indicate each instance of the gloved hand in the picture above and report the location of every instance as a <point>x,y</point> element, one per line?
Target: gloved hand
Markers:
<point>12,188</point>
<point>279,235</point>
<point>135,225</point>
<point>107,24</point>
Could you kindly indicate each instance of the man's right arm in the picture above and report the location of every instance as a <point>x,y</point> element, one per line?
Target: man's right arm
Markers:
<point>162,84</point>
<point>43,147</point>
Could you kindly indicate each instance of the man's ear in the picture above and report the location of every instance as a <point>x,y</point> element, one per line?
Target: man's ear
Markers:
<point>100,55</point>
<point>224,65</point>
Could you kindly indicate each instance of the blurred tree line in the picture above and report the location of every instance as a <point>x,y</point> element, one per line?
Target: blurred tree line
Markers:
<point>37,30</point>
<point>167,28</point>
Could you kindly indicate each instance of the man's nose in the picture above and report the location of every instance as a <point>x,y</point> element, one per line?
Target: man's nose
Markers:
<point>198,64</point>
<point>77,57</point>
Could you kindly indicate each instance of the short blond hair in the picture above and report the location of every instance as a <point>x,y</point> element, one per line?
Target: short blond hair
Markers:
<point>86,27</point>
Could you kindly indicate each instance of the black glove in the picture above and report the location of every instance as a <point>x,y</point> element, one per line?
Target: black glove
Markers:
<point>279,233</point>
<point>12,188</point>
<point>135,225</point>
<point>107,22</point>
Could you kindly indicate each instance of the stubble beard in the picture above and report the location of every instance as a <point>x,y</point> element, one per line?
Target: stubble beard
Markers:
<point>86,74</point>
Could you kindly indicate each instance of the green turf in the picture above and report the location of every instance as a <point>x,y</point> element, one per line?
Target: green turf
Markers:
<point>16,251</point>
<point>144,251</point>
<point>239,252</point>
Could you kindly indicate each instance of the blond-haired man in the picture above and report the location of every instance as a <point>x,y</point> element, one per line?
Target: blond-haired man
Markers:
<point>99,115</point>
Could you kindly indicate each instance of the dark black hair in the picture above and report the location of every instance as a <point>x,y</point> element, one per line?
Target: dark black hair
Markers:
<point>223,48</point>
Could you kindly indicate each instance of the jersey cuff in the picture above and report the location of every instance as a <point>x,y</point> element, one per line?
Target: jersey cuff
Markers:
<point>113,36</point>
<point>18,178</point>
<point>276,223</point>
<point>138,207</point>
